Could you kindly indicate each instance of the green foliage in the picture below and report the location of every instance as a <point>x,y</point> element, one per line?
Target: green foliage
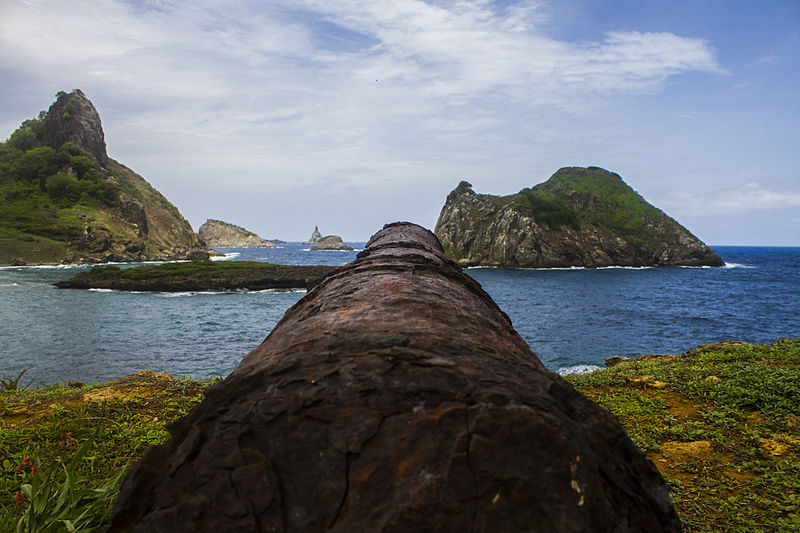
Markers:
<point>8,383</point>
<point>81,446</point>
<point>83,166</point>
<point>36,125</point>
<point>545,208</point>
<point>35,165</point>
<point>22,139</point>
<point>70,149</point>
<point>608,201</point>
<point>57,498</point>
<point>740,403</point>
<point>64,187</point>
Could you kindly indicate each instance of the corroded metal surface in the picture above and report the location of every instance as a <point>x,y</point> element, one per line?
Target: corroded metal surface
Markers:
<point>396,396</point>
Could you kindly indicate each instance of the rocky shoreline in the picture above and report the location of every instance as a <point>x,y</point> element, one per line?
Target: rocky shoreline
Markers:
<point>198,276</point>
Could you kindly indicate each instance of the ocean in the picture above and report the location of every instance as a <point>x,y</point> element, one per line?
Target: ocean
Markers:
<point>572,318</point>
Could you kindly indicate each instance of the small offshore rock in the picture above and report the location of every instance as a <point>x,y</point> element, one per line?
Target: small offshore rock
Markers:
<point>331,242</point>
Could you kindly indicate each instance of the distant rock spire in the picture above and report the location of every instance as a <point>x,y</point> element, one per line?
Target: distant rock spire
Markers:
<point>314,236</point>
<point>73,118</point>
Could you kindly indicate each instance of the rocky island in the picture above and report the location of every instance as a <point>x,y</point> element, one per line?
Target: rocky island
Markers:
<point>198,276</point>
<point>219,234</point>
<point>330,242</point>
<point>580,217</point>
<point>63,199</point>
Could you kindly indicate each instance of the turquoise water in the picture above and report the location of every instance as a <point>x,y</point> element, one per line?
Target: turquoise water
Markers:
<point>571,318</point>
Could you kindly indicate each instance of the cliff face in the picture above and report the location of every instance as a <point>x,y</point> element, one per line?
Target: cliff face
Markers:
<point>64,200</point>
<point>73,118</point>
<point>585,217</point>
<point>221,234</point>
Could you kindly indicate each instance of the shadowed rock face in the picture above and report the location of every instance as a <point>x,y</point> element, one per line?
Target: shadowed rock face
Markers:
<point>395,396</point>
<point>73,118</point>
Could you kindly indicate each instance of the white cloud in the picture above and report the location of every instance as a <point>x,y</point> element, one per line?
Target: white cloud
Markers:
<point>750,198</point>
<point>270,96</point>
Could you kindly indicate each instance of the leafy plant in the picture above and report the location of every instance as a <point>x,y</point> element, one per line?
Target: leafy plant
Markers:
<point>12,384</point>
<point>60,499</point>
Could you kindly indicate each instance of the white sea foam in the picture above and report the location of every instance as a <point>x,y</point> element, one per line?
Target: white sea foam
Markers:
<point>190,293</point>
<point>34,267</point>
<point>563,268</point>
<point>269,291</point>
<point>226,257</point>
<point>737,265</point>
<point>577,369</point>
<point>101,290</point>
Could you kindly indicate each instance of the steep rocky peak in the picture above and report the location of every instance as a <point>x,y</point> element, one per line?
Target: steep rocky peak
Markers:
<point>73,118</point>
<point>463,188</point>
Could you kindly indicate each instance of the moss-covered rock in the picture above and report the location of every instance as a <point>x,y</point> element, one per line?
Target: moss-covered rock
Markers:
<point>586,217</point>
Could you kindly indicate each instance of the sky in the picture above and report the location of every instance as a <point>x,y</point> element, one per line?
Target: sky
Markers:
<point>282,115</point>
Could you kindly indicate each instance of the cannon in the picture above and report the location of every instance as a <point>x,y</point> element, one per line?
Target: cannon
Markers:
<point>395,397</point>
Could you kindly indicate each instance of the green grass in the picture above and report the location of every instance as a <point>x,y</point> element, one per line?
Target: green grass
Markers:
<point>104,426</point>
<point>612,203</point>
<point>545,208</point>
<point>722,423</point>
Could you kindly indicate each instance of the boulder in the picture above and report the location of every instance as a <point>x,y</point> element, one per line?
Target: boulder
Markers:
<point>395,396</point>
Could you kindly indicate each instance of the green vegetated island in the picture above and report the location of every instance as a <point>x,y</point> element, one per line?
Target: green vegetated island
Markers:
<point>584,217</point>
<point>64,200</point>
<point>198,276</point>
<point>721,423</point>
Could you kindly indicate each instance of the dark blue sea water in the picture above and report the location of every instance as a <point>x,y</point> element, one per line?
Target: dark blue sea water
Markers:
<point>570,317</point>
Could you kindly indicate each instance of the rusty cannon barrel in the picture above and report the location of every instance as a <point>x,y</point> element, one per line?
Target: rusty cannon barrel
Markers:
<point>395,397</point>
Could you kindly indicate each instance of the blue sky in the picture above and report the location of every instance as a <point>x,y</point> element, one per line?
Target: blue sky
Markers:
<point>281,115</point>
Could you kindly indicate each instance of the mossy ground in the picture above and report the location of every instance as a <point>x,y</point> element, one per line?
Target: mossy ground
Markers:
<point>721,423</point>
<point>119,420</point>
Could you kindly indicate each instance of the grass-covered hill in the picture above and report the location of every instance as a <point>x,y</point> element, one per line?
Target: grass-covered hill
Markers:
<point>62,199</point>
<point>586,217</point>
